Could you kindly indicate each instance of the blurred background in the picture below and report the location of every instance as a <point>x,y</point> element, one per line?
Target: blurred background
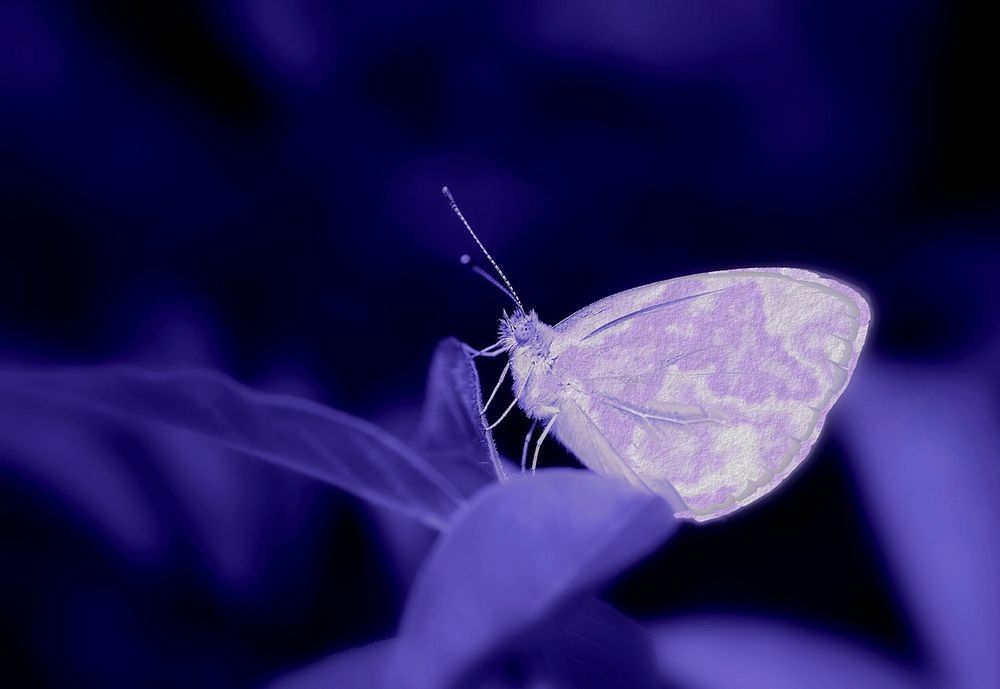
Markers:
<point>254,186</point>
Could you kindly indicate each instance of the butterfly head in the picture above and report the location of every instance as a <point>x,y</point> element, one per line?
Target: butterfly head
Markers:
<point>519,329</point>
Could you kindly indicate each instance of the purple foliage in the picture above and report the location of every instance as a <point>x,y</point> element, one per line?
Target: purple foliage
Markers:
<point>518,554</point>
<point>251,187</point>
<point>450,431</point>
<point>506,592</point>
<point>323,443</point>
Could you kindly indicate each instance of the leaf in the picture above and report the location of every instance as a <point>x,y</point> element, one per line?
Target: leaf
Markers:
<point>595,646</point>
<point>317,441</point>
<point>926,446</point>
<point>144,489</point>
<point>734,653</point>
<point>599,647</point>
<point>513,558</point>
<point>76,461</point>
<point>452,432</point>
<point>360,668</point>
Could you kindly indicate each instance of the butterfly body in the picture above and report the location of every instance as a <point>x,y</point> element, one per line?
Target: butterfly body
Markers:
<point>708,389</point>
<point>528,342</point>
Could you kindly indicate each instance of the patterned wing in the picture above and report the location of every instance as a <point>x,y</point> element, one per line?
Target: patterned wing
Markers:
<point>708,389</point>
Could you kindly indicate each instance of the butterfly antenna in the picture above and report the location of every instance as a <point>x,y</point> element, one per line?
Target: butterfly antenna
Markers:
<point>454,207</point>
<point>466,260</point>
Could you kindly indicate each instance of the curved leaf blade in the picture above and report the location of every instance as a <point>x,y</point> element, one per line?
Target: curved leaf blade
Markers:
<point>452,432</point>
<point>734,653</point>
<point>328,445</point>
<point>357,668</point>
<point>927,449</point>
<point>512,559</point>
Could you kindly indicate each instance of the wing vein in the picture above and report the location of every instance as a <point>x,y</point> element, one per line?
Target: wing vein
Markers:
<point>649,309</point>
<point>663,487</point>
<point>680,374</point>
<point>623,406</point>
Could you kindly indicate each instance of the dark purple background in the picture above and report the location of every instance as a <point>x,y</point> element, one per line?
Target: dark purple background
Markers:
<point>253,185</point>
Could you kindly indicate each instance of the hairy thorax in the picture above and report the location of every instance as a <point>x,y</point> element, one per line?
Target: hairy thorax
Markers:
<point>528,342</point>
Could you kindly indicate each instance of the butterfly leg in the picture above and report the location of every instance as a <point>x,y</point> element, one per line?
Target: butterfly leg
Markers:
<point>502,416</point>
<point>538,444</point>
<point>513,403</point>
<point>527,440</point>
<point>495,349</point>
<point>497,387</point>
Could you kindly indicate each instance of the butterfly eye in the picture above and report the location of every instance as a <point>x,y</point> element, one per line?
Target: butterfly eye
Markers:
<point>521,333</point>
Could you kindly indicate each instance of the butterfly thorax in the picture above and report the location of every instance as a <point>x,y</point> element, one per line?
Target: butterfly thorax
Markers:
<point>527,341</point>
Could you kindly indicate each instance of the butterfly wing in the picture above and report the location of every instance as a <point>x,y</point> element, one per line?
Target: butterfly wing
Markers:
<point>708,389</point>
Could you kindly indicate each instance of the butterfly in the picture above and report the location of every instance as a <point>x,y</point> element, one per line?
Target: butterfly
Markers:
<point>708,390</point>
